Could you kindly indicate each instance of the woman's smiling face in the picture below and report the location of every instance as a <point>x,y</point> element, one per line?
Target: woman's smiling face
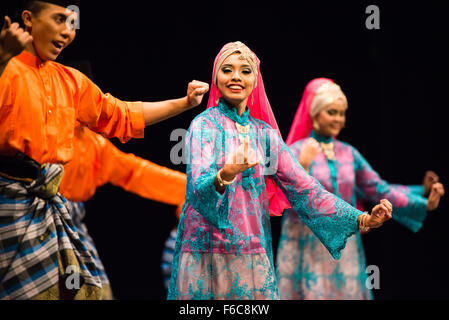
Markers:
<point>235,79</point>
<point>332,119</point>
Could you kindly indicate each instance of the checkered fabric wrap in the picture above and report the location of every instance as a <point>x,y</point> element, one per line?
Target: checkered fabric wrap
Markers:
<point>78,211</point>
<point>33,229</point>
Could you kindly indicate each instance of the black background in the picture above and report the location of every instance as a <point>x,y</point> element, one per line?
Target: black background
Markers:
<point>395,78</point>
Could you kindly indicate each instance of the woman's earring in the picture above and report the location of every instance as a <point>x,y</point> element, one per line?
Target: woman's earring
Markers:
<point>217,99</point>
<point>316,126</point>
<point>252,99</point>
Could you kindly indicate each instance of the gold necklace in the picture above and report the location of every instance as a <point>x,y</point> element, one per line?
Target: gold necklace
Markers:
<point>243,132</point>
<point>242,129</point>
<point>328,149</point>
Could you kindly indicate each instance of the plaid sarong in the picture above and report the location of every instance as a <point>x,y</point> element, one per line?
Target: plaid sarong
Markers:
<point>78,211</point>
<point>35,227</point>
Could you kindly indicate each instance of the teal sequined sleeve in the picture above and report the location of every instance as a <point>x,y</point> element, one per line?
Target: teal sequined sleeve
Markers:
<point>409,209</point>
<point>330,218</point>
<point>410,189</point>
<point>204,198</point>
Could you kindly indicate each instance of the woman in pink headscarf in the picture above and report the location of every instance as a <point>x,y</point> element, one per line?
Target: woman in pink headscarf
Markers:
<point>239,171</point>
<point>304,267</point>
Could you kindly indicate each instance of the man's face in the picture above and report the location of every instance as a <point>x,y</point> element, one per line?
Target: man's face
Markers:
<point>51,30</point>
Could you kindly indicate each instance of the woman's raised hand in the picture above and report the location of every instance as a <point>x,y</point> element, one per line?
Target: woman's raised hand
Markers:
<point>243,158</point>
<point>436,192</point>
<point>309,151</point>
<point>429,179</point>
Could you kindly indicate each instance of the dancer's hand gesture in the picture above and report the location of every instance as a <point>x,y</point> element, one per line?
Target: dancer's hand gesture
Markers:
<point>243,158</point>
<point>436,192</point>
<point>309,151</point>
<point>13,40</point>
<point>379,214</point>
<point>195,92</point>
<point>429,179</point>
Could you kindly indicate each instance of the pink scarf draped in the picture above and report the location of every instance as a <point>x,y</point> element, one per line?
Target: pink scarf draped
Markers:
<point>259,108</point>
<point>302,123</point>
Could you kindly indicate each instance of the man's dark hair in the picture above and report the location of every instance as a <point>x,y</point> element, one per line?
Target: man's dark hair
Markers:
<point>36,6</point>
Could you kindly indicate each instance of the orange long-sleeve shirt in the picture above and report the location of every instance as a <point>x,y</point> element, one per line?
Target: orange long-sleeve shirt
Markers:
<point>96,161</point>
<point>41,102</point>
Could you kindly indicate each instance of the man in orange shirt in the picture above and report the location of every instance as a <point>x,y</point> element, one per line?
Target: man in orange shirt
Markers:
<point>48,97</point>
<point>41,254</point>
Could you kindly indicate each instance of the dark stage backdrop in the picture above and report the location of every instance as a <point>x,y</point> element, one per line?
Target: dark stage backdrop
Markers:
<point>395,78</point>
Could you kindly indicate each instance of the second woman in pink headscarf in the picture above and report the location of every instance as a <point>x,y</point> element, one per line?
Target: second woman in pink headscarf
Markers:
<point>305,268</point>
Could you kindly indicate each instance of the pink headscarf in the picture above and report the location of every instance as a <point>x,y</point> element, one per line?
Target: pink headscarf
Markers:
<point>259,108</point>
<point>302,124</point>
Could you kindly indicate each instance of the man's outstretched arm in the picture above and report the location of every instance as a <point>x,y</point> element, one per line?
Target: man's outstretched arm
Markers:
<point>155,112</point>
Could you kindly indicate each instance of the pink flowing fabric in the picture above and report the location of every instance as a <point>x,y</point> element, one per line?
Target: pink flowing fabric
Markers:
<point>259,108</point>
<point>302,124</point>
